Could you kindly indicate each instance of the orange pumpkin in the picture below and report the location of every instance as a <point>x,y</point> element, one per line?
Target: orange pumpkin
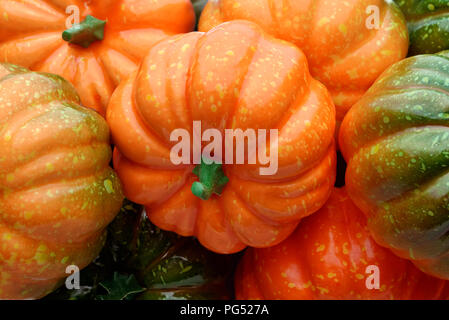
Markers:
<point>233,77</point>
<point>332,256</point>
<point>345,48</point>
<point>97,54</point>
<point>57,191</point>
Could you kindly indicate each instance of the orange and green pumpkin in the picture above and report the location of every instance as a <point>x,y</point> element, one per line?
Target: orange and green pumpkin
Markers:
<point>396,143</point>
<point>428,25</point>
<point>57,191</point>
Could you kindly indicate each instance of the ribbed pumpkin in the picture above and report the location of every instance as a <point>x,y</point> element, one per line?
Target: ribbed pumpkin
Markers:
<point>333,256</point>
<point>57,191</point>
<point>428,25</point>
<point>344,47</point>
<point>108,44</point>
<point>233,77</point>
<point>396,143</point>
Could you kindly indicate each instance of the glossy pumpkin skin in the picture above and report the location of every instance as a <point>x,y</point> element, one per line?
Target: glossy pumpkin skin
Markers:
<point>57,191</point>
<point>234,76</point>
<point>342,52</point>
<point>327,258</point>
<point>396,143</point>
<point>166,266</point>
<point>428,24</point>
<point>31,36</point>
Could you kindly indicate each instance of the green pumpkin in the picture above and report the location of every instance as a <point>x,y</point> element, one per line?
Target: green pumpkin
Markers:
<point>396,143</point>
<point>428,24</point>
<point>142,262</point>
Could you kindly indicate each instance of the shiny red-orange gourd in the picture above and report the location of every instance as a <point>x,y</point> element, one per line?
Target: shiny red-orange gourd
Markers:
<point>332,255</point>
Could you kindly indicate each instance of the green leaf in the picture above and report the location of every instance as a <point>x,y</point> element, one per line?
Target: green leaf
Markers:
<point>121,287</point>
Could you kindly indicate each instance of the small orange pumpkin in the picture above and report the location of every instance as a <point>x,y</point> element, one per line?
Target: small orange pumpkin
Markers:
<point>57,191</point>
<point>345,47</point>
<point>233,77</point>
<point>96,54</point>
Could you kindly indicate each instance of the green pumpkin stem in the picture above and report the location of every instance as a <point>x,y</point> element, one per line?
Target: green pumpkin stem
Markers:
<point>86,32</point>
<point>212,180</point>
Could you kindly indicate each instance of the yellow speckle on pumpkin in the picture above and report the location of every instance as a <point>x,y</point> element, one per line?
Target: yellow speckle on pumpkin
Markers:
<point>220,91</point>
<point>10,177</point>
<point>345,248</point>
<point>307,285</point>
<point>185,47</point>
<point>108,185</point>
<point>49,166</point>
<point>411,254</point>
<point>41,255</point>
<point>7,236</point>
<point>322,290</point>
<point>323,21</point>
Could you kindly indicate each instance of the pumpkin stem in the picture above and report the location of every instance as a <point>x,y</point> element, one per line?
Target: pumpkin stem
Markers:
<point>86,32</point>
<point>212,180</point>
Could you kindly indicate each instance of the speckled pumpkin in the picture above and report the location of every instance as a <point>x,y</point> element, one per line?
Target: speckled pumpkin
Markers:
<point>428,25</point>
<point>233,77</point>
<point>396,143</point>
<point>57,191</point>
<point>327,258</point>
<point>106,47</point>
<point>343,52</point>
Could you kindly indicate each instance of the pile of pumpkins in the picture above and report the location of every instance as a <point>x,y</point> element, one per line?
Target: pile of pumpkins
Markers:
<point>90,92</point>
